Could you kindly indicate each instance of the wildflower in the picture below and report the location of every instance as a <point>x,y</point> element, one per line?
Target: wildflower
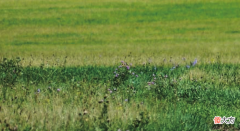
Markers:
<point>116,69</point>
<point>120,66</point>
<point>126,100</point>
<point>152,83</point>
<point>110,91</point>
<point>133,73</point>
<point>128,67</point>
<point>116,75</point>
<point>173,68</point>
<point>122,61</point>
<point>195,62</point>
<point>154,78</point>
<point>188,66</point>
<point>38,90</point>
<point>166,76</point>
<point>153,74</point>
<point>58,89</point>
<point>136,75</point>
<point>114,72</point>
<point>155,68</point>
<point>115,89</point>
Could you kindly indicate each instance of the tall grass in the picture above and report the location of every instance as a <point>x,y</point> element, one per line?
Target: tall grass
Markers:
<point>145,97</point>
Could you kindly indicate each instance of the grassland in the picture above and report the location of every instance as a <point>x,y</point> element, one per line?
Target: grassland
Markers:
<point>106,32</point>
<point>68,73</point>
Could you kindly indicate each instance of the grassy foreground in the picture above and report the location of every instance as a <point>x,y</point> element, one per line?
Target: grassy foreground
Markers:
<point>90,32</point>
<point>126,97</point>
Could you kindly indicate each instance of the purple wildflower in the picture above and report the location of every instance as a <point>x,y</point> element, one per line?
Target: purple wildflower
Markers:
<point>152,83</point>
<point>114,72</point>
<point>136,75</point>
<point>58,90</point>
<point>120,66</point>
<point>116,75</point>
<point>122,61</point>
<point>188,66</point>
<point>126,100</point>
<point>195,62</point>
<point>116,69</point>
<point>128,67</point>
<point>110,91</point>
<point>38,90</point>
<point>133,73</point>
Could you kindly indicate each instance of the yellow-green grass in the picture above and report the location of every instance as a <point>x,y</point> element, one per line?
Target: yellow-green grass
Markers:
<point>105,32</point>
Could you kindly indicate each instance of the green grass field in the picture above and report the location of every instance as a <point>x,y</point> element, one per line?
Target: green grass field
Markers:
<point>112,29</point>
<point>61,69</point>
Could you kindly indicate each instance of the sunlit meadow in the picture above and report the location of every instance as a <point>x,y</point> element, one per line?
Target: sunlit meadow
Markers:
<point>119,65</point>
